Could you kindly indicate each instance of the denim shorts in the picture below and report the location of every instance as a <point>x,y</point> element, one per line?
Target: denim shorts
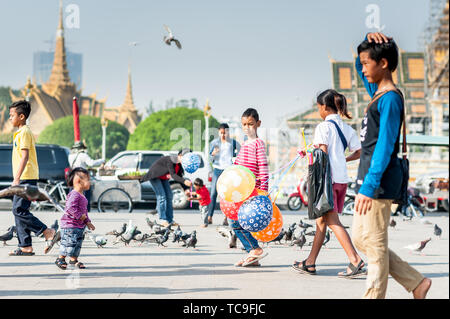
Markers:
<point>71,241</point>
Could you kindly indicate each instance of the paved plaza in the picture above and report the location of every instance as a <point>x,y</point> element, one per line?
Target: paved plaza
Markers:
<point>146,271</point>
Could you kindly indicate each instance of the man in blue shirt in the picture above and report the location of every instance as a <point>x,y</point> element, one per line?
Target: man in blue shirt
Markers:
<point>222,152</point>
<point>379,173</point>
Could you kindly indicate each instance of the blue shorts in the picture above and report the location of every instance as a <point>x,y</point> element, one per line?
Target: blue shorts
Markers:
<point>71,241</point>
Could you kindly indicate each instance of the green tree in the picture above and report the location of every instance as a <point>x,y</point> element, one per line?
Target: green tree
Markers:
<point>5,98</point>
<point>6,138</point>
<point>61,132</point>
<point>154,133</point>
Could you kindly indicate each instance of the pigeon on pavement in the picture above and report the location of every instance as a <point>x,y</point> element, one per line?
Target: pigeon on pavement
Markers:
<point>437,231</point>
<point>304,225</point>
<point>120,232</point>
<point>393,223</point>
<point>142,238</point>
<point>51,243</point>
<point>8,235</point>
<point>228,234</point>
<point>279,237</point>
<point>327,238</point>
<point>127,237</point>
<point>311,233</point>
<point>99,240</point>
<point>177,234</point>
<point>289,232</point>
<point>160,239</point>
<point>191,241</point>
<point>418,246</point>
<point>300,241</point>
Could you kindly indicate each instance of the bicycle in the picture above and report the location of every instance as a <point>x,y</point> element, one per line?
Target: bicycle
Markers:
<point>57,190</point>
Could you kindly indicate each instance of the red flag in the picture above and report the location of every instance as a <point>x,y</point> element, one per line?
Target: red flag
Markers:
<point>76,120</point>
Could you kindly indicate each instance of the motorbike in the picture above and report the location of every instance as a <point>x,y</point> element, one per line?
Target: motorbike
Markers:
<point>349,204</point>
<point>414,207</point>
<point>299,198</point>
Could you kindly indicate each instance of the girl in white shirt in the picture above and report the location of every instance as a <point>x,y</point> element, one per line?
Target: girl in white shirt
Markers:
<point>333,136</point>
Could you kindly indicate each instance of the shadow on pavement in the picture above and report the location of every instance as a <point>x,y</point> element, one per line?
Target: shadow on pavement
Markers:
<point>175,272</point>
<point>109,290</point>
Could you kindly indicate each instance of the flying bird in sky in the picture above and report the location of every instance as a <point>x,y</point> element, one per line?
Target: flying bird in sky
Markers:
<point>168,39</point>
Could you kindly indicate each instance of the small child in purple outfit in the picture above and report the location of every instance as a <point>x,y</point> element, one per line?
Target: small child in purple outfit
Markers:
<point>75,219</point>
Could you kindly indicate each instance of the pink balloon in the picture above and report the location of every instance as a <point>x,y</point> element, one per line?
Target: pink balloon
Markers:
<point>231,209</point>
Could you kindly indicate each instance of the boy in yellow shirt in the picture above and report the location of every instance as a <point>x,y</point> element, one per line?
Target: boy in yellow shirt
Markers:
<point>25,171</point>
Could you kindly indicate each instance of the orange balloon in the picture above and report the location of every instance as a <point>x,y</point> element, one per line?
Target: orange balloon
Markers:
<point>273,229</point>
<point>264,193</point>
<point>261,192</point>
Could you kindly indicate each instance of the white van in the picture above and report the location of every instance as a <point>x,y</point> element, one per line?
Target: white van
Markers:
<point>131,161</point>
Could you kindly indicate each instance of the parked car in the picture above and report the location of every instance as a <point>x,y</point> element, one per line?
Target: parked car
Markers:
<point>52,161</point>
<point>131,161</point>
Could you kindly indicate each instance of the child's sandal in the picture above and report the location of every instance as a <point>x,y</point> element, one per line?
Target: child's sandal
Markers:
<point>61,263</point>
<point>77,264</point>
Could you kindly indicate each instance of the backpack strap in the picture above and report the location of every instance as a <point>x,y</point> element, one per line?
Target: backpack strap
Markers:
<point>396,90</point>
<point>341,135</point>
<point>76,157</point>
<point>234,148</point>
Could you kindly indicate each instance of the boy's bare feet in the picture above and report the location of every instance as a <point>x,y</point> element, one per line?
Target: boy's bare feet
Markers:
<point>422,289</point>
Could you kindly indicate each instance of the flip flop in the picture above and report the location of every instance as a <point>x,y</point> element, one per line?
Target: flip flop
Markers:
<point>240,263</point>
<point>20,252</point>
<point>256,258</point>
<point>51,243</point>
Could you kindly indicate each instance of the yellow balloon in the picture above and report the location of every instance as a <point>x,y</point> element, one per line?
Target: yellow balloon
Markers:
<point>235,184</point>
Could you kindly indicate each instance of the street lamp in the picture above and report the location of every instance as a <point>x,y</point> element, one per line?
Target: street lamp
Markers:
<point>104,123</point>
<point>207,114</point>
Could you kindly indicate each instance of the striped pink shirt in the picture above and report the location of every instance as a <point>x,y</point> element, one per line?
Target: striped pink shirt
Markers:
<point>253,156</point>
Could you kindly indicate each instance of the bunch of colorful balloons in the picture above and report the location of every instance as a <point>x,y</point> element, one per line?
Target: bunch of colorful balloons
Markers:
<point>252,207</point>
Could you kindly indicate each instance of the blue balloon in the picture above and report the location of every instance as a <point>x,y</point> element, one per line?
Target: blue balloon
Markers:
<point>255,213</point>
<point>191,162</point>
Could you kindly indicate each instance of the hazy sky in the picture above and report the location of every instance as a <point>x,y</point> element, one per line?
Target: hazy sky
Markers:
<point>271,55</point>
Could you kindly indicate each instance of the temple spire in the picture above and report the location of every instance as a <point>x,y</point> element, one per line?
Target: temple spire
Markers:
<point>60,74</point>
<point>128,102</point>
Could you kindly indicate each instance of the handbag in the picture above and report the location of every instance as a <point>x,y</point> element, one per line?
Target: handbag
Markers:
<point>320,189</point>
<point>404,163</point>
<point>402,197</point>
